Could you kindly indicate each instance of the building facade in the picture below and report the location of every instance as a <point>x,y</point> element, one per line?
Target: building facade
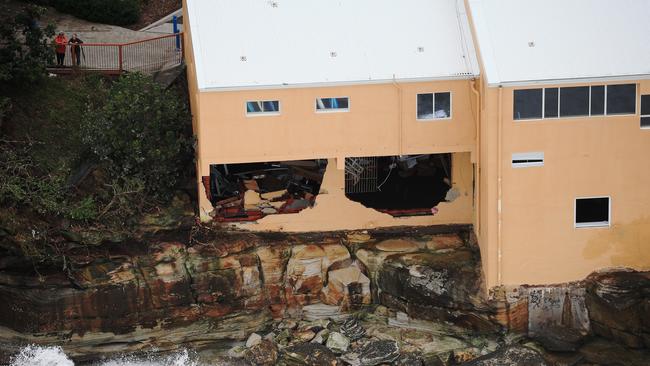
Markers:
<point>432,113</point>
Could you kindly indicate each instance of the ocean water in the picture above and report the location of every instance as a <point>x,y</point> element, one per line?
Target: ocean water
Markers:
<point>54,356</point>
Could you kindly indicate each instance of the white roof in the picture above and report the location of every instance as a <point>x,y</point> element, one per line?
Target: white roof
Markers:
<point>302,42</point>
<point>569,39</point>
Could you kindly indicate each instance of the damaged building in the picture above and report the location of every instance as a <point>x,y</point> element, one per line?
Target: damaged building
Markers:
<point>368,114</point>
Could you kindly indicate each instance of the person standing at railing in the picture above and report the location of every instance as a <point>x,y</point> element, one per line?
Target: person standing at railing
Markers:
<point>75,49</point>
<point>60,44</point>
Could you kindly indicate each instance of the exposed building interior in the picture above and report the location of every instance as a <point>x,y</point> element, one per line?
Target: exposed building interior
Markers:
<point>250,191</point>
<point>410,185</point>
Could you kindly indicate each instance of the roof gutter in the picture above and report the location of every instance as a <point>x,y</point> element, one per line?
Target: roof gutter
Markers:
<point>338,83</point>
<point>585,80</point>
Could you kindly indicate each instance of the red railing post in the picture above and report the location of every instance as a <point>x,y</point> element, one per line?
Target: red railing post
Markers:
<point>120,58</point>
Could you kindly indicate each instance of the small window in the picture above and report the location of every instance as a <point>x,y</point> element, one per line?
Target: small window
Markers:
<point>597,100</point>
<point>574,101</point>
<point>263,107</point>
<point>551,103</point>
<point>332,104</point>
<point>645,111</point>
<point>621,99</point>
<point>527,160</point>
<point>592,212</point>
<point>527,104</point>
<point>434,106</point>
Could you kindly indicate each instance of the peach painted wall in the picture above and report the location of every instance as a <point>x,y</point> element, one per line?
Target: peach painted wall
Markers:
<point>594,156</point>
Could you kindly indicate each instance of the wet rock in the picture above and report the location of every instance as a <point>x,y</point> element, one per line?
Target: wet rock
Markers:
<point>353,329</point>
<point>409,359</point>
<point>600,352</point>
<point>264,353</point>
<point>348,288</point>
<point>510,356</point>
<point>253,340</point>
<point>337,342</point>
<point>373,353</point>
<point>558,338</point>
<point>309,354</point>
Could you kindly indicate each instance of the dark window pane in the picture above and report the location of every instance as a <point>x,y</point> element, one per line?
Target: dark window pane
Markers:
<point>271,106</point>
<point>425,106</point>
<point>574,101</point>
<point>621,99</point>
<point>527,104</point>
<point>253,107</point>
<point>442,105</point>
<point>342,103</point>
<point>645,105</point>
<point>645,122</point>
<point>597,100</point>
<point>592,210</point>
<point>550,102</point>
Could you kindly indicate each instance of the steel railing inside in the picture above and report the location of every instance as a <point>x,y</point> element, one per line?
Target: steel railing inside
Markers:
<point>147,55</point>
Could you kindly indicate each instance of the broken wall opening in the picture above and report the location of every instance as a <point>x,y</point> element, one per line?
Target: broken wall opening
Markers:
<point>410,185</point>
<point>250,191</point>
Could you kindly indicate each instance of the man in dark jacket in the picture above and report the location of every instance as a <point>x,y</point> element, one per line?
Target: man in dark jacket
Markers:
<point>75,49</point>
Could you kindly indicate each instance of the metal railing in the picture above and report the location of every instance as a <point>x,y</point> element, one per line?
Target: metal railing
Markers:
<point>146,56</point>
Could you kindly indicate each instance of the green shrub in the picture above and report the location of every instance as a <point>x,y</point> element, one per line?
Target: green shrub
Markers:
<point>141,131</point>
<point>85,210</point>
<point>118,12</point>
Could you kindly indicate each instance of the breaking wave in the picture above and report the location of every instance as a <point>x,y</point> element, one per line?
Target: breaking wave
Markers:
<point>54,356</point>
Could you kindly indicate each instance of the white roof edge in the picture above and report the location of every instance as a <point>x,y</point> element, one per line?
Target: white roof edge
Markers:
<point>483,44</point>
<point>594,79</point>
<point>337,83</point>
<point>469,47</point>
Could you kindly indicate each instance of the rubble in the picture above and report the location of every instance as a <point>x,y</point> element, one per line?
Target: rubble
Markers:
<point>353,329</point>
<point>373,353</point>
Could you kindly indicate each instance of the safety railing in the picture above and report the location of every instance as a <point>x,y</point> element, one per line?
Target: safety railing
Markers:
<point>146,56</point>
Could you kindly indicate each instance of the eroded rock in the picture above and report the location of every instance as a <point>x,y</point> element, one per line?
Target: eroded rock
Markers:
<point>510,356</point>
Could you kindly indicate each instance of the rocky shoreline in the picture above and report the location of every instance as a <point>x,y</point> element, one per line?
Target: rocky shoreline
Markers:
<point>296,291</point>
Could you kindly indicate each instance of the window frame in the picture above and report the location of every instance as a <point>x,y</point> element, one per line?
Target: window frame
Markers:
<point>637,101</point>
<point>263,113</point>
<point>533,155</point>
<point>598,224</point>
<point>433,96</point>
<point>642,116</point>
<point>332,110</point>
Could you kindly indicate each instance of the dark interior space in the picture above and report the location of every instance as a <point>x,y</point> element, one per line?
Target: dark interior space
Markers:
<point>253,190</point>
<point>592,210</point>
<point>399,185</point>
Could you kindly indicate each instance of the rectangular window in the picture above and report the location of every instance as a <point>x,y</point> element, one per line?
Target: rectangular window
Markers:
<point>597,100</point>
<point>592,212</point>
<point>621,99</point>
<point>574,101</point>
<point>263,107</point>
<point>527,104</point>
<point>434,106</point>
<point>645,111</point>
<point>527,160</point>
<point>333,104</point>
<point>551,103</point>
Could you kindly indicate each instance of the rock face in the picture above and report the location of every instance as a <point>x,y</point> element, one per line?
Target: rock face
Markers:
<point>619,306</point>
<point>510,356</point>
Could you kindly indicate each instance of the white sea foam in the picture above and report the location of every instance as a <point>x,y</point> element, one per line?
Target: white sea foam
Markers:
<point>54,356</point>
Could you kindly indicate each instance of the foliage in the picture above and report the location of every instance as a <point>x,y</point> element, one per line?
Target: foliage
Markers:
<point>141,132</point>
<point>117,12</point>
<point>25,51</point>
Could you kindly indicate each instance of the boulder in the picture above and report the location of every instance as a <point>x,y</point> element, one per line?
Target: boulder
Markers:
<point>265,353</point>
<point>347,287</point>
<point>253,340</point>
<point>338,343</point>
<point>353,329</point>
<point>509,356</point>
<point>373,353</point>
<point>558,338</point>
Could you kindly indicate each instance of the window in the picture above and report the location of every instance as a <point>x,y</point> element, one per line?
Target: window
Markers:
<point>551,102</point>
<point>575,101</point>
<point>621,99</point>
<point>332,104</point>
<point>263,107</point>
<point>527,160</point>
<point>645,111</point>
<point>434,106</point>
<point>592,212</point>
<point>528,104</point>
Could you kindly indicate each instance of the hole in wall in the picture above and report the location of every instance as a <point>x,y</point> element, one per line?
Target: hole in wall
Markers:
<point>410,185</point>
<point>250,191</point>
